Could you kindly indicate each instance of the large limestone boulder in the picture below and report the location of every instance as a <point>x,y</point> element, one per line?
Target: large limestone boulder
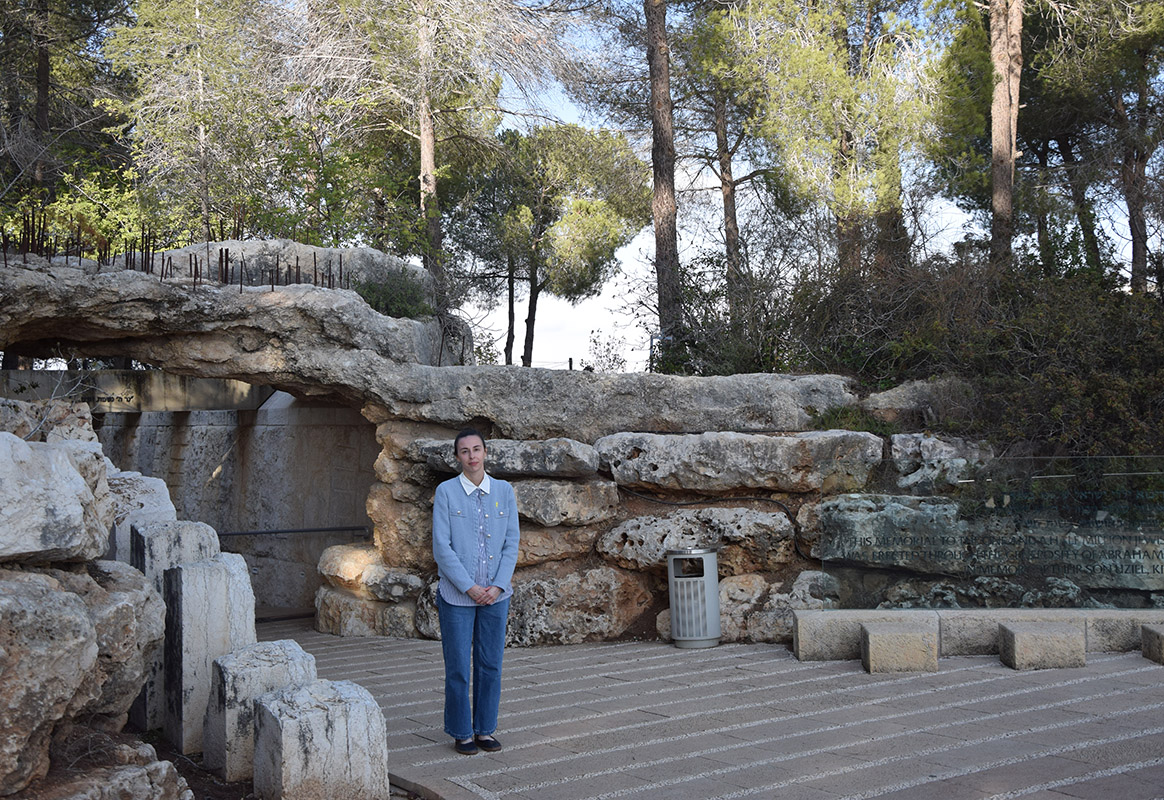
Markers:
<point>551,503</point>
<point>753,609</point>
<point>551,458</point>
<point>817,461</point>
<point>50,510</point>
<point>302,339</point>
<point>48,420</point>
<point>922,402</point>
<point>128,619</point>
<point>48,649</point>
<point>929,463</point>
<point>920,534</point>
<point>341,613</point>
<point>559,543</point>
<point>403,530</point>
<point>136,500</point>
<point>360,570</point>
<point>748,540</point>
<point>524,403</point>
<point>89,764</point>
<point>556,604</point>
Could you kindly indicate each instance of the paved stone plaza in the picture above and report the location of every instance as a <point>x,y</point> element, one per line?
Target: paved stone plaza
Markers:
<point>645,720</point>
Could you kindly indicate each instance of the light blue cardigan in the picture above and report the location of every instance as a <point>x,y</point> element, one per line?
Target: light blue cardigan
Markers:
<point>454,534</point>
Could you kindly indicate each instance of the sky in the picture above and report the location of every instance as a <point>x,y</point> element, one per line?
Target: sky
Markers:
<point>563,331</point>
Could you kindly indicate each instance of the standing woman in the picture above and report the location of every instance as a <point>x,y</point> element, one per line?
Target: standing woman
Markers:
<point>474,541</point>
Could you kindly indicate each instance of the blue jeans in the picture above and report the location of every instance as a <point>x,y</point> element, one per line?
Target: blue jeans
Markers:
<point>472,640</point>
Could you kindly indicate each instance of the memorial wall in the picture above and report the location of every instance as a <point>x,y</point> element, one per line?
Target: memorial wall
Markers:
<point>1010,531</point>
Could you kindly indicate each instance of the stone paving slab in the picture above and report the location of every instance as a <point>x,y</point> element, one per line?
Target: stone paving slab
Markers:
<point>649,721</point>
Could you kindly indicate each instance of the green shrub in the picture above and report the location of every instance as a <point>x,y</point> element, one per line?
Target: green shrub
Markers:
<point>396,294</point>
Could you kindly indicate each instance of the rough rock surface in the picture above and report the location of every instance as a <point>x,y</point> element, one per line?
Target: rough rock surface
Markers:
<point>749,541</point>
<point>48,649</point>
<point>923,534</point>
<point>342,613</point>
<point>752,609</point>
<point>921,402</point>
<point>403,530</point>
<point>551,503</point>
<point>359,263</point>
<point>320,741</point>
<point>129,622</point>
<point>136,499</point>
<point>928,463</point>
<point>551,458</point>
<point>240,678</point>
<point>90,764</point>
<point>359,569</point>
<point>586,405</point>
<point>563,606</point>
<point>561,543</point>
<point>210,611</point>
<point>298,338</point>
<point>48,421</point>
<point>825,461</point>
<point>49,509</point>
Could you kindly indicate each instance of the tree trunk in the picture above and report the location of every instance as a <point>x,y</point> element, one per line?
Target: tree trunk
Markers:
<point>43,86</point>
<point>510,333</point>
<point>535,289</point>
<point>1006,28</point>
<point>736,291</point>
<point>1133,176</point>
<point>429,211</point>
<point>848,222</point>
<point>1134,179</point>
<point>663,206</point>
<point>891,248</point>
<point>203,146</point>
<point>1084,212</point>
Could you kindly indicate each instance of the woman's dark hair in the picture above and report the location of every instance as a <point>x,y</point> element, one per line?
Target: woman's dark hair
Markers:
<point>467,432</point>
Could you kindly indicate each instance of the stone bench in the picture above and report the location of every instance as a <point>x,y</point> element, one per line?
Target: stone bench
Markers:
<point>1042,645</point>
<point>898,647</point>
<point>836,635</point>
<point>1152,642</point>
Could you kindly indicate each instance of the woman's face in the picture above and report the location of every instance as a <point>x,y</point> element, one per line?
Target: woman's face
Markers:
<point>471,456</point>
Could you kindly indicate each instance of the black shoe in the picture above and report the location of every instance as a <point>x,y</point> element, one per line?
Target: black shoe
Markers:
<point>465,748</point>
<point>487,743</point>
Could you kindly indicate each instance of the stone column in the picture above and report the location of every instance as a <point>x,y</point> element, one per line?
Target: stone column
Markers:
<point>155,548</point>
<point>325,739</point>
<point>238,679</point>
<point>210,611</point>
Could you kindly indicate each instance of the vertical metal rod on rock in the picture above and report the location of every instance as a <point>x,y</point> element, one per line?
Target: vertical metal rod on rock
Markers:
<point>297,270</point>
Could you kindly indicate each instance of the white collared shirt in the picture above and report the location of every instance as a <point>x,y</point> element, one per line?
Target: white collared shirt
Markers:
<point>469,488</point>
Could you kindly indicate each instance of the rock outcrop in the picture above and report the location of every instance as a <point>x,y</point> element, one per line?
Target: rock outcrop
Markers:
<point>54,503</point>
<point>76,634</point>
<point>306,340</point>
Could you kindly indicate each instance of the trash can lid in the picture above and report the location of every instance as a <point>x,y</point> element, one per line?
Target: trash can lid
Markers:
<point>693,551</point>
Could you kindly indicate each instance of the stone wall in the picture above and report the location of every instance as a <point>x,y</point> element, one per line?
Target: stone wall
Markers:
<point>285,466</point>
<point>600,505</point>
<point>612,471</point>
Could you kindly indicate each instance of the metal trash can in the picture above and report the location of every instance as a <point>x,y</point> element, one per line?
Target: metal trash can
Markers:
<point>693,583</point>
